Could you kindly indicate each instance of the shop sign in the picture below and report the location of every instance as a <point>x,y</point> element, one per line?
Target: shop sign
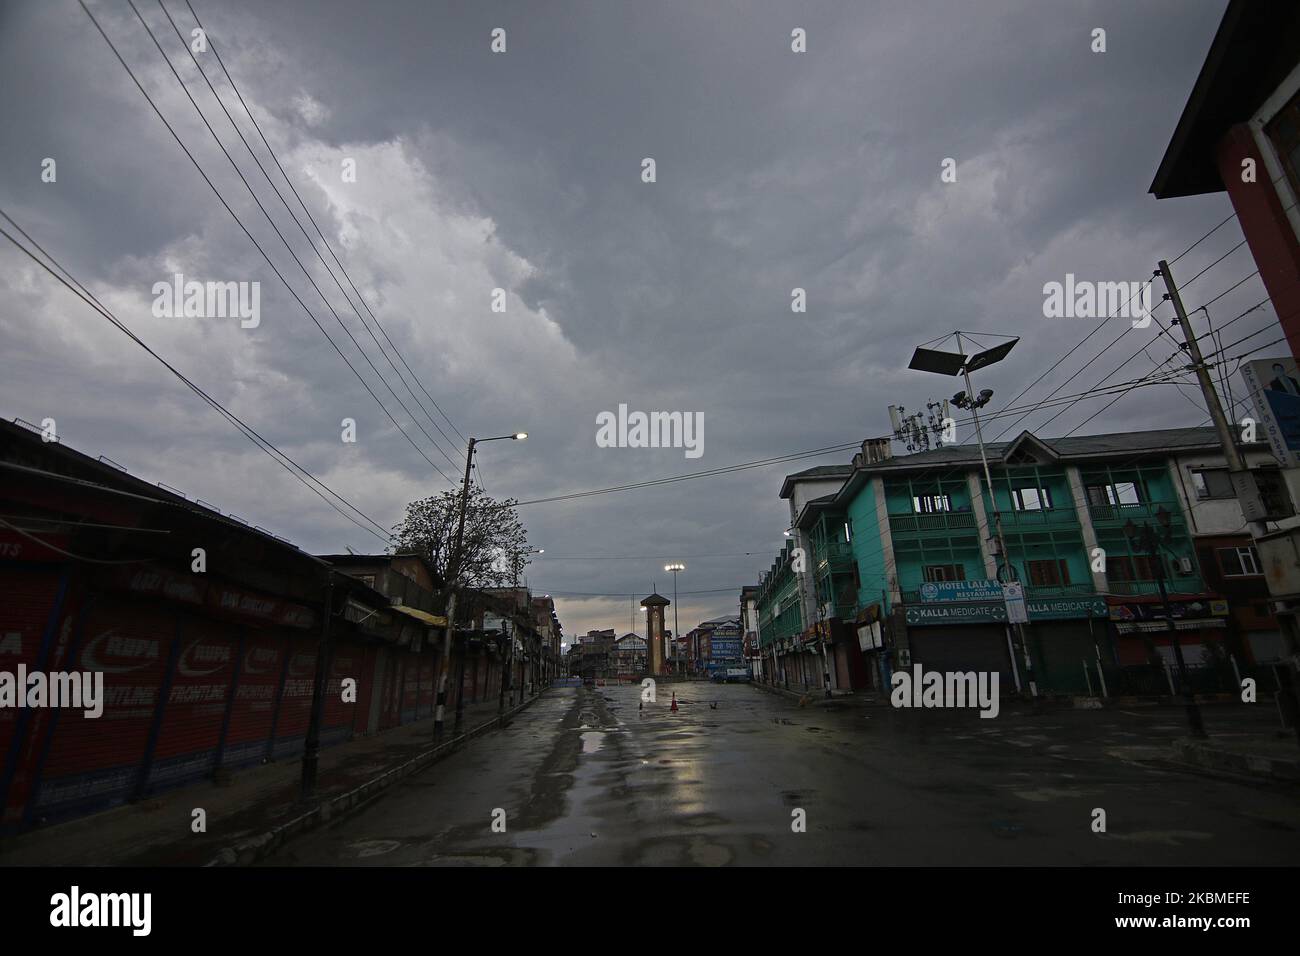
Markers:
<point>918,614</point>
<point>1155,610</point>
<point>977,590</point>
<point>1056,609</point>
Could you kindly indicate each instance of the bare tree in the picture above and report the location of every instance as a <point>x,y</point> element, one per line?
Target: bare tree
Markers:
<point>494,540</point>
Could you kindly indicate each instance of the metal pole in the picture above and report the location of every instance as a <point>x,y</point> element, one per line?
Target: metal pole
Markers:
<point>311,748</point>
<point>1193,709</point>
<point>997,522</point>
<point>501,663</point>
<point>677,634</point>
<point>453,570</point>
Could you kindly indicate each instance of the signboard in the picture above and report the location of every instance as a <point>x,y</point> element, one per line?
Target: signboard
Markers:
<point>1055,609</point>
<point>955,614</point>
<point>1155,611</point>
<point>1036,609</point>
<point>1274,387</point>
<point>725,648</point>
<point>1013,596</point>
<point>978,590</point>
<point>869,637</point>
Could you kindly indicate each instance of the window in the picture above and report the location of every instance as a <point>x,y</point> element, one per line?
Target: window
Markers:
<point>1238,562</point>
<point>929,504</point>
<point>1212,483</point>
<point>1284,130</point>
<point>1048,573</point>
<point>944,572</point>
<point>1139,567</point>
<point>1116,493</point>
<point>1031,499</point>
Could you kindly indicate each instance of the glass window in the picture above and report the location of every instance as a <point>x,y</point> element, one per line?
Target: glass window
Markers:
<point>1238,562</point>
<point>1031,499</point>
<point>1284,131</point>
<point>1048,573</point>
<point>944,572</point>
<point>1118,493</point>
<point>1212,483</point>
<point>929,504</point>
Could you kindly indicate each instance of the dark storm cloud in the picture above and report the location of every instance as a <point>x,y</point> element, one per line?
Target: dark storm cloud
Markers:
<point>522,170</point>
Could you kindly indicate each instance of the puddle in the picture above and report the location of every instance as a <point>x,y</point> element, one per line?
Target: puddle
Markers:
<point>592,741</point>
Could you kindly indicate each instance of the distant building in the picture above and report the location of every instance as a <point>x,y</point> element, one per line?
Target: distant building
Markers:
<point>628,657</point>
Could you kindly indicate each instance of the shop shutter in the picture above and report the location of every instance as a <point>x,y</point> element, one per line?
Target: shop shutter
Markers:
<point>95,763</point>
<point>253,709</point>
<point>963,648</point>
<point>32,627</point>
<point>410,685</point>
<point>295,701</point>
<point>337,716</point>
<point>195,709</point>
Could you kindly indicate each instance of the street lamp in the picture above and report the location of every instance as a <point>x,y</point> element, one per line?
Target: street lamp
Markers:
<point>1153,541</point>
<point>677,634</point>
<point>453,572</point>
<point>959,363</point>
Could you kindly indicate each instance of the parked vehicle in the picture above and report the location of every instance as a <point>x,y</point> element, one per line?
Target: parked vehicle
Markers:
<point>731,675</point>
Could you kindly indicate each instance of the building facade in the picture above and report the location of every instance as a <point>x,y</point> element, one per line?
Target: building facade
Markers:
<point>903,561</point>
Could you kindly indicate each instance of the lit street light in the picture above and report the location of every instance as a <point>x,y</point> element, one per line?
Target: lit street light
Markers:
<point>674,568</point>
<point>453,572</point>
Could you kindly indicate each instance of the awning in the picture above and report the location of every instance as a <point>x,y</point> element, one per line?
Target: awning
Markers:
<point>433,620</point>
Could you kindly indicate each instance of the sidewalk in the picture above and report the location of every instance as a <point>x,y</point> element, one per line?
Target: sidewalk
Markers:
<point>251,813</point>
<point>1275,758</point>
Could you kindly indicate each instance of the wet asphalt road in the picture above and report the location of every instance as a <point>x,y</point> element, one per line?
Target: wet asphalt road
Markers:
<point>587,778</point>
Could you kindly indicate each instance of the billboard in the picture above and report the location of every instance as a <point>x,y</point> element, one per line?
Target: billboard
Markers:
<point>1274,387</point>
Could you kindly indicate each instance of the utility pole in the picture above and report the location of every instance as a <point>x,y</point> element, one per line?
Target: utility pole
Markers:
<point>453,571</point>
<point>1227,438</point>
<point>311,747</point>
<point>1237,470</point>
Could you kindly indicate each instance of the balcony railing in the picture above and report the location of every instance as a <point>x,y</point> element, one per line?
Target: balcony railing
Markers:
<point>1142,511</point>
<point>1040,591</point>
<point>1040,518</point>
<point>836,555</point>
<point>1183,584</point>
<point>1033,592</point>
<point>939,521</point>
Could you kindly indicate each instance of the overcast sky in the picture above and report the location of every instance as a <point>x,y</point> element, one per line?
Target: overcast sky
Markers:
<point>522,170</point>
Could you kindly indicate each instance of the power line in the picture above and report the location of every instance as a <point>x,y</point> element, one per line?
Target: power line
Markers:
<point>231,80</point>
<point>276,454</point>
<point>258,245</point>
<point>742,466</point>
<point>239,172</point>
<point>301,228</point>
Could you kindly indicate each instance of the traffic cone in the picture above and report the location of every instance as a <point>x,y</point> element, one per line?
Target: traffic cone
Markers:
<point>673,708</point>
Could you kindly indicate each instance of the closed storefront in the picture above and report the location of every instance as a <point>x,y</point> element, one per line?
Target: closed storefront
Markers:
<point>94,763</point>
<point>960,648</point>
<point>194,709</point>
<point>1061,650</point>
<point>252,711</point>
